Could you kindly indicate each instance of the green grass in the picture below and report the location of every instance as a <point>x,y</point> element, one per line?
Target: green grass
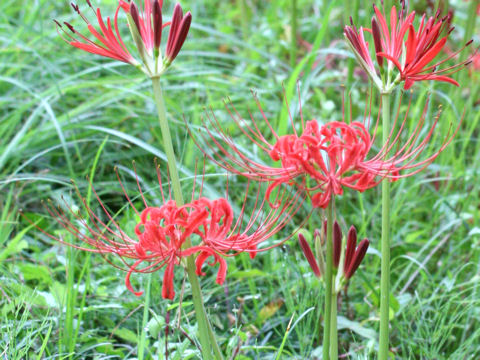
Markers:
<point>65,114</point>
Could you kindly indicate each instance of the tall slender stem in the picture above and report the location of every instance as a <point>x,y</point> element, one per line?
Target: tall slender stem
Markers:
<point>146,309</point>
<point>205,331</point>
<point>385,243</point>
<point>244,18</point>
<point>293,40</point>
<point>328,283</point>
<point>333,326</point>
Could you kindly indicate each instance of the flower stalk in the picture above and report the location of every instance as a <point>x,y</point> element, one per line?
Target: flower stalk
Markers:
<point>346,258</point>
<point>205,331</point>
<point>385,243</point>
<point>327,328</point>
<point>146,309</point>
<point>293,34</point>
<point>333,325</point>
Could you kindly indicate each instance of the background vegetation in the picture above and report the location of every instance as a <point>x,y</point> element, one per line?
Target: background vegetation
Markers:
<point>66,114</point>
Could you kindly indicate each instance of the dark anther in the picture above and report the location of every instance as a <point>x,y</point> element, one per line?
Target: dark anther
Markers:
<point>69,26</point>
<point>75,7</point>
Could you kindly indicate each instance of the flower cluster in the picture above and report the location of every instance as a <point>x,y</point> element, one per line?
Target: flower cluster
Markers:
<point>167,234</point>
<point>323,159</point>
<point>411,56</point>
<point>347,255</point>
<point>146,28</point>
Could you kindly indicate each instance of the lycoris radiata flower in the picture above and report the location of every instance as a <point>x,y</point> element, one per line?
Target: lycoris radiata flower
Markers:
<point>322,159</point>
<point>146,28</point>
<point>159,238</point>
<point>411,51</point>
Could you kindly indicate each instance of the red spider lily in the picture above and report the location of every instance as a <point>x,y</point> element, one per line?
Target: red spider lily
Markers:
<point>390,42</point>
<point>323,159</point>
<point>160,237</point>
<point>146,28</point>
<point>411,56</point>
<point>347,256</point>
<point>421,47</point>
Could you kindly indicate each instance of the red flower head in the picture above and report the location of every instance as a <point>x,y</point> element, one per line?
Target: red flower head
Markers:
<point>411,56</point>
<point>167,234</point>
<point>347,256</point>
<point>146,27</point>
<point>323,159</point>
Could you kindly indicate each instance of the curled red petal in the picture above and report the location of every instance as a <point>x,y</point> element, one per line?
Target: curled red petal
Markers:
<point>168,291</point>
<point>127,279</point>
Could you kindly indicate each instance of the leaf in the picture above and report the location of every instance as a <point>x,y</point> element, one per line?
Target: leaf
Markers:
<point>394,304</point>
<point>155,325</point>
<point>16,245</point>
<point>344,323</point>
<point>108,349</point>
<point>39,273</point>
<point>269,310</point>
<point>127,335</point>
<point>49,299</point>
<point>248,274</point>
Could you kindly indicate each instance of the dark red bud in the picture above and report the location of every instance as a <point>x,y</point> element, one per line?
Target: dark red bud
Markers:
<point>174,27</point>
<point>351,20</point>
<point>357,258</point>
<point>135,16</point>
<point>377,41</point>
<point>75,7</point>
<point>157,23</point>
<point>469,42</point>
<point>350,248</point>
<point>337,244</point>
<point>307,251</point>
<point>183,30</point>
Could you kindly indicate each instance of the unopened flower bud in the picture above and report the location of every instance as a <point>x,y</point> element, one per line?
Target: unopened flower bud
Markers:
<point>307,251</point>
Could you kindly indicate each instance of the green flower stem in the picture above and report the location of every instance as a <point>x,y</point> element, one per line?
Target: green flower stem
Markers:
<point>385,242</point>
<point>293,40</point>
<point>244,17</point>
<point>328,283</point>
<point>146,309</point>
<point>333,326</point>
<point>205,332</point>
